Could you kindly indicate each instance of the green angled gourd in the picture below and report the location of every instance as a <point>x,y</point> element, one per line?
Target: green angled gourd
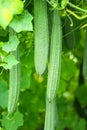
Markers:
<point>51,117</point>
<point>41,33</point>
<point>14,84</point>
<point>55,56</point>
<point>85,59</point>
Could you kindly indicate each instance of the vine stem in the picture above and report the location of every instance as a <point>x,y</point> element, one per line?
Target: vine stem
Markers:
<point>76,7</point>
<point>78,17</point>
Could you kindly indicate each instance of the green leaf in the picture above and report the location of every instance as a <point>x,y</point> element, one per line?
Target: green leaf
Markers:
<point>22,22</point>
<point>11,45</point>
<point>14,122</point>
<point>3,94</point>
<point>8,8</point>
<point>9,61</point>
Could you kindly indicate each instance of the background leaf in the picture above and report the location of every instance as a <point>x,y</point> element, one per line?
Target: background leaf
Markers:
<point>3,94</point>
<point>25,78</point>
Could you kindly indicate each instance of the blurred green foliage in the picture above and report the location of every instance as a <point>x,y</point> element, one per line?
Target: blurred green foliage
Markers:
<point>72,91</point>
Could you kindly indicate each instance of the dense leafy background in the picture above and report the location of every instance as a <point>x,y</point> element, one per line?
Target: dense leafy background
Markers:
<point>71,95</point>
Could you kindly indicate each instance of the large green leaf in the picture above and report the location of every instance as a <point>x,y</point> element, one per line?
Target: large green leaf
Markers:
<point>9,61</point>
<point>11,45</point>
<point>14,122</point>
<point>22,22</point>
<point>8,8</point>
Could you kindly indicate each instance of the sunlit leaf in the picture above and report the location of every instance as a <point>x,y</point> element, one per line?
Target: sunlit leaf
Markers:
<point>22,22</point>
<point>8,8</point>
<point>11,45</point>
<point>9,61</point>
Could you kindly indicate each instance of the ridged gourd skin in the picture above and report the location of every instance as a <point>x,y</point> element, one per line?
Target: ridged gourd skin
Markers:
<point>55,56</point>
<point>41,34</point>
<point>14,85</point>
<point>85,59</point>
<point>51,119</point>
